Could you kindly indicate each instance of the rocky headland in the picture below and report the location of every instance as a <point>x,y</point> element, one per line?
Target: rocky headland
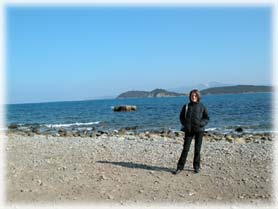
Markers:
<point>147,94</point>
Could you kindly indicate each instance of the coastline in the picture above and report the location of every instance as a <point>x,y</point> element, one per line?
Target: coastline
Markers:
<point>131,167</point>
<point>210,135</point>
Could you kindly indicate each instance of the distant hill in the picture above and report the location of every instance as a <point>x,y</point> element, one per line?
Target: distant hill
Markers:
<point>201,86</point>
<point>153,93</point>
<point>237,89</point>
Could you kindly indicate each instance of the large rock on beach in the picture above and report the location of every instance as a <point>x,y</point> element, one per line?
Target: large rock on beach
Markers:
<point>35,129</point>
<point>125,108</point>
<point>229,138</point>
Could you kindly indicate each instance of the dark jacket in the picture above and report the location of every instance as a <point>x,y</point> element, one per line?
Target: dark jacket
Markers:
<point>196,117</point>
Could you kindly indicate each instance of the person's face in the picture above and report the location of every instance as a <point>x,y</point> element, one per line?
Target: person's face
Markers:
<point>194,97</point>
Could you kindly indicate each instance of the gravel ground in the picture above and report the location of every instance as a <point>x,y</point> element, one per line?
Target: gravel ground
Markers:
<point>134,169</point>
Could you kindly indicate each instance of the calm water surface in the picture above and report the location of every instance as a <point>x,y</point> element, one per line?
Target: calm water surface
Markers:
<point>253,112</point>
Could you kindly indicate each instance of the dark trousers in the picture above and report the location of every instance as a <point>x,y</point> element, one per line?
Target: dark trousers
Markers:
<point>197,149</point>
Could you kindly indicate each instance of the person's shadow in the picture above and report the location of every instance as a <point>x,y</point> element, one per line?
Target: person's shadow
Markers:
<point>137,166</point>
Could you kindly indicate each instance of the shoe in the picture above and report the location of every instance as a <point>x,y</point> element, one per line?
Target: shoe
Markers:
<point>197,170</point>
<point>177,171</point>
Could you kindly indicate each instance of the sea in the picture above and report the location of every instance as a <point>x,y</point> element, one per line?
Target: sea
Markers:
<point>252,112</point>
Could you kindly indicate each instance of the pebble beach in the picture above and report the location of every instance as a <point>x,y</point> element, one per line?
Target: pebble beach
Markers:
<point>135,168</point>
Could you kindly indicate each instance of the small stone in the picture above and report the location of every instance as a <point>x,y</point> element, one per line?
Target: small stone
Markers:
<point>240,140</point>
<point>191,193</point>
<point>219,198</point>
<point>110,197</point>
<point>102,177</point>
<point>131,137</point>
<point>40,182</point>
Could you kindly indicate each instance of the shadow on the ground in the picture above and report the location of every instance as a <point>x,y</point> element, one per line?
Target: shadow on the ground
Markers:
<point>139,166</point>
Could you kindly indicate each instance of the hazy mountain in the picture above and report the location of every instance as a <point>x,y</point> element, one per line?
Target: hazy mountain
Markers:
<point>186,89</point>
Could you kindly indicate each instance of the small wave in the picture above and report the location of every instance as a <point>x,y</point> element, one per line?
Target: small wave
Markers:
<point>71,124</point>
<point>211,129</point>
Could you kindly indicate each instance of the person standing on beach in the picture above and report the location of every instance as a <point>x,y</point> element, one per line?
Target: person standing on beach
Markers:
<point>193,117</point>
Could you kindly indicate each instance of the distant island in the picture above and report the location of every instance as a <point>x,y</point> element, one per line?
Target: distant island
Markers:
<point>152,94</point>
<point>238,89</point>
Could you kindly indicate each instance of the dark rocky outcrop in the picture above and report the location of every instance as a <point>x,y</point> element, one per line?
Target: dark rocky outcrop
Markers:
<point>125,108</point>
<point>239,129</point>
<point>13,126</point>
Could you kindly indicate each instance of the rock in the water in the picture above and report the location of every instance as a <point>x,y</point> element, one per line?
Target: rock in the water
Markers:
<point>239,129</point>
<point>128,129</point>
<point>124,108</point>
<point>13,126</point>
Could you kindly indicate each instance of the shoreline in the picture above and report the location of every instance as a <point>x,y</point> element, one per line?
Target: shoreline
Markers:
<point>134,169</point>
<point>242,137</point>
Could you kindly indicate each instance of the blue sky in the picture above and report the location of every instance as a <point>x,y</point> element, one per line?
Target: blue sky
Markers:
<point>76,53</point>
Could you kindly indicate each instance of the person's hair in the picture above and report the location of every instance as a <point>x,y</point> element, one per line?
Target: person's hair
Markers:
<point>198,94</point>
